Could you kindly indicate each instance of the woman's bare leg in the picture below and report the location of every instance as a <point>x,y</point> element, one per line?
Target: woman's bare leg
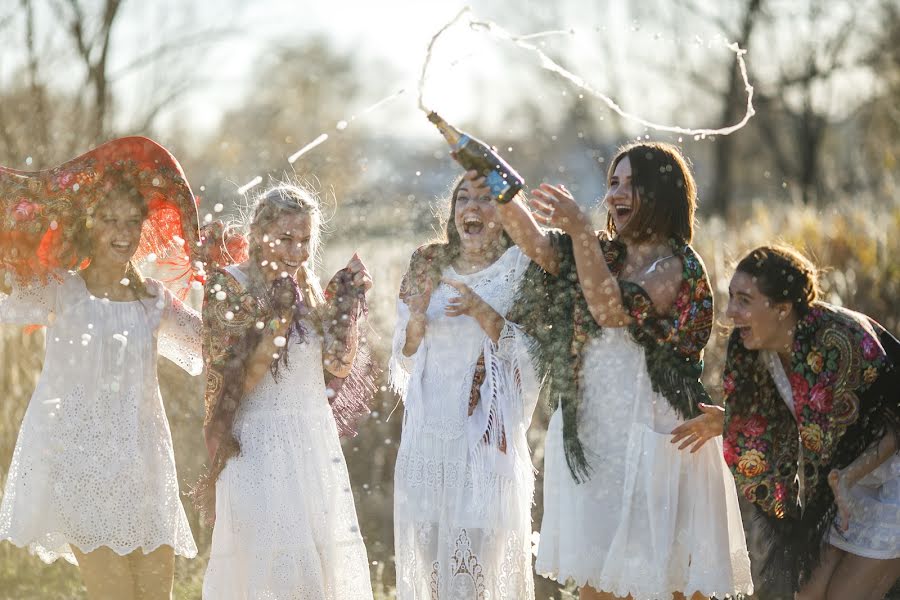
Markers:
<point>817,586</point>
<point>863,578</point>
<point>694,596</point>
<point>154,573</point>
<point>588,593</point>
<point>106,575</point>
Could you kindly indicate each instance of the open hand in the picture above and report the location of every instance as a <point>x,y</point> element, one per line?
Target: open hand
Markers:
<point>698,430</point>
<point>419,300</point>
<point>361,276</point>
<point>554,206</point>
<point>467,303</point>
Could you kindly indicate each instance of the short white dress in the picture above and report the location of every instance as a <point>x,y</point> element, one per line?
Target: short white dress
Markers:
<point>286,525</point>
<point>93,464</point>
<point>652,519</point>
<point>874,529</point>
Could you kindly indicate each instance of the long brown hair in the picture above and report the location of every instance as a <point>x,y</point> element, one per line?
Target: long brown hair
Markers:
<point>662,179</point>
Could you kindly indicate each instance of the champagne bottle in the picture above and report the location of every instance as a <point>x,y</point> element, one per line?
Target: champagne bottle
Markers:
<point>473,154</point>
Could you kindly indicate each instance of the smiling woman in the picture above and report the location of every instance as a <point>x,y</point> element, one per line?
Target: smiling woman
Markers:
<point>93,475</point>
<point>622,317</point>
<point>278,488</point>
<point>463,483</point>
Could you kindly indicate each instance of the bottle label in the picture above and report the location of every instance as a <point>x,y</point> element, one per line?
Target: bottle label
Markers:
<point>497,184</point>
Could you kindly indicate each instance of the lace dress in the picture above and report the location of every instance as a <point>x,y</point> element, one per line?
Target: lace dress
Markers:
<point>286,525</point>
<point>463,485</point>
<point>651,519</point>
<point>93,464</point>
<point>874,530</point>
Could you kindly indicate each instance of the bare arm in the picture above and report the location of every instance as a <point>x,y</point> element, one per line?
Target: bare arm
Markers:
<point>417,324</point>
<point>870,460</point>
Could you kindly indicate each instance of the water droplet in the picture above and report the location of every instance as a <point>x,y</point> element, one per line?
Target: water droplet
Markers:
<point>218,207</point>
<point>280,341</point>
<point>341,125</point>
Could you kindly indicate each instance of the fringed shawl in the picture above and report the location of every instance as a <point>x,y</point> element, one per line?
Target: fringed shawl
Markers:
<point>232,316</point>
<point>554,312</point>
<point>846,391</point>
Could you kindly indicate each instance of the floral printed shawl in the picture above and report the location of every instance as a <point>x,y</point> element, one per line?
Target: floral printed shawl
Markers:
<point>554,311</point>
<point>231,314</point>
<point>845,382</point>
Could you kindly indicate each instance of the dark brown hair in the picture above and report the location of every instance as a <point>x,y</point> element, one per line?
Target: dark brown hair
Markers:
<point>662,179</point>
<point>432,258</point>
<point>783,274</point>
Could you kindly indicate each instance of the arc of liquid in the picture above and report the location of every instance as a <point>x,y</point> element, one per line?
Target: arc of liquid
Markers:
<point>549,64</point>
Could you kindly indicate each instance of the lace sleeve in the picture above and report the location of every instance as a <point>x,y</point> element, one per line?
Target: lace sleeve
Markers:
<point>180,332</point>
<point>33,304</point>
<point>401,366</point>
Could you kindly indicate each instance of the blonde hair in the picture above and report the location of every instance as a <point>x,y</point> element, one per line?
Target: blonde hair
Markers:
<point>289,199</point>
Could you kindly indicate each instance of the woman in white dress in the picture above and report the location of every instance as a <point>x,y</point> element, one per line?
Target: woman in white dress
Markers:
<point>810,428</point>
<point>625,513</point>
<point>463,483</point>
<point>93,475</point>
<point>285,520</point>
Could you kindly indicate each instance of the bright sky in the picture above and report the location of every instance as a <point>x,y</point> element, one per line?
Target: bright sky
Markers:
<point>631,51</point>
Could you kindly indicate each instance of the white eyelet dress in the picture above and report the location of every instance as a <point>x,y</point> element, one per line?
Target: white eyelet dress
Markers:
<point>93,464</point>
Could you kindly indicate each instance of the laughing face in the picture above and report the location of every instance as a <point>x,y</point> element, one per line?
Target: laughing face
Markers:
<point>284,244</point>
<point>760,321</point>
<point>476,219</point>
<point>115,231</point>
<point>622,199</point>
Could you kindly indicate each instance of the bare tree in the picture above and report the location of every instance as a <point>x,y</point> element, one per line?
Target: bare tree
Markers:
<point>43,120</point>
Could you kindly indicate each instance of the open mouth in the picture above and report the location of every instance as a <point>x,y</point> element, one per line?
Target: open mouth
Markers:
<point>121,246</point>
<point>745,332</point>
<point>472,225</point>
<point>622,211</point>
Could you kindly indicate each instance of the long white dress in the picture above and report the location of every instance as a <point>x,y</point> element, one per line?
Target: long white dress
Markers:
<point>462,506</point>
<point>651,519</point>
<point>286,525</point>
<point>874,528</point>
<point>93,464</point>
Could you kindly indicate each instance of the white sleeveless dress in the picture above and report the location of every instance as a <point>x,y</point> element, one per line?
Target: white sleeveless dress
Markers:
<point>286,525</point>
<point>651,519</point>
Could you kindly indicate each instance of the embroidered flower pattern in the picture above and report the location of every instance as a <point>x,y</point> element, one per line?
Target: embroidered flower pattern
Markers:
<point>835,358</point>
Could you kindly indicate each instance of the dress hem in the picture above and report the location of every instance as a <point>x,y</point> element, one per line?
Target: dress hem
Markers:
<point>49,556</point>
